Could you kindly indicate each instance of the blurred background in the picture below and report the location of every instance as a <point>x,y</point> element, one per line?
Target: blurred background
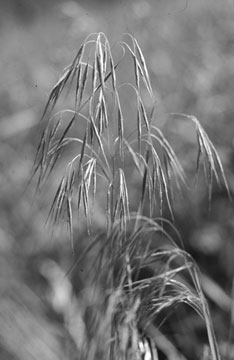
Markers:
<point>189,50</point>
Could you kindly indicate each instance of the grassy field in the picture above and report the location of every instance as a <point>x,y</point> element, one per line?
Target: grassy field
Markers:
<point>188,50</point>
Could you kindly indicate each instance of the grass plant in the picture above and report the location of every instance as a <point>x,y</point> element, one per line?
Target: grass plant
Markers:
<point>125,167</point>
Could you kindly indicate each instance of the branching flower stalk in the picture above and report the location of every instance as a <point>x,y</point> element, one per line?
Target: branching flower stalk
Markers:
<point>91,135</point>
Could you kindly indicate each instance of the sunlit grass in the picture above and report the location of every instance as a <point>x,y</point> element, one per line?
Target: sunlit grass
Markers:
<point>142,270</point>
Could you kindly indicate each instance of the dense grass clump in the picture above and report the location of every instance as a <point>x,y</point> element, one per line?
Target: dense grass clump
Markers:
<point>121,168</point>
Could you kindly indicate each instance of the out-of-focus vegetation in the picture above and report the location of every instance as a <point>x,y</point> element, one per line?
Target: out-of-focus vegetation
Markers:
<point>189,52</point>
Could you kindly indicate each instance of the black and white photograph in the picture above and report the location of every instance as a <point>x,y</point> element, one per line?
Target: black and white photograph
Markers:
<point>117,180</point>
